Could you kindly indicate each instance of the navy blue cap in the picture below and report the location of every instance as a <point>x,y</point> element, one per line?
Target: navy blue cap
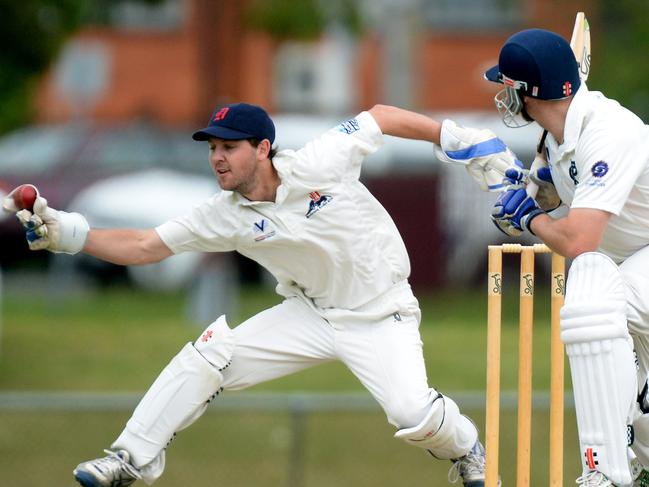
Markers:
<point>236,122</point>
<point>539,63</point>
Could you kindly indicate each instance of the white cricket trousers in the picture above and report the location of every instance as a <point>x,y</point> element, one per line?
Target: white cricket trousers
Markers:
<point>386,355</point>
<point>383,350</point>
<point>635,273</point>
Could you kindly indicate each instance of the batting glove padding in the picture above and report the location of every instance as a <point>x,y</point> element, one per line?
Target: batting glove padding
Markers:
<point>546,197</point>
<point>484,155</point>
<point>514,210</point>
<point>50,229</point>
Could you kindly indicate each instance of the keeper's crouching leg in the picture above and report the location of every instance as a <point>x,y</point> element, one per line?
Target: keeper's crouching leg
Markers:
<point>444,432</point>
<point>177,398</point>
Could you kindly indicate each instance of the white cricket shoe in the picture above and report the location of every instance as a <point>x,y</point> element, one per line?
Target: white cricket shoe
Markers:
<point>639,473</point>
<point>470,468</point>
<point>594,479</point>
<point>113,470</point>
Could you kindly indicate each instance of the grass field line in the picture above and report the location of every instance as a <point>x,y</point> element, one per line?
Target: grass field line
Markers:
<point>266,401</point>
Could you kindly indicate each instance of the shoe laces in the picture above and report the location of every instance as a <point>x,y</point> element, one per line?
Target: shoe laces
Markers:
<point>466,467</point>
<point>125,466</point>
<point>594,479</point>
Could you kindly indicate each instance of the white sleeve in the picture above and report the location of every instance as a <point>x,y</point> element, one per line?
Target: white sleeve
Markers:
<point>338,153</point>
<point>608,164</point>
<point>209,227</point>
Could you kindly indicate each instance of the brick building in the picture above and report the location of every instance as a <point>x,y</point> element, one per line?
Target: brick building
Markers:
<point>173,62</point>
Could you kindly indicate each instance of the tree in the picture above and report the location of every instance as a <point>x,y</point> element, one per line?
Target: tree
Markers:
<point>619,66</point>
<point>31,34</point>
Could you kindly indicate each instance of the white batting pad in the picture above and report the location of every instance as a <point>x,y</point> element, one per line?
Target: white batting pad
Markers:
<point>602,363</point>
<point>176,399</point>
<point>444,432</point>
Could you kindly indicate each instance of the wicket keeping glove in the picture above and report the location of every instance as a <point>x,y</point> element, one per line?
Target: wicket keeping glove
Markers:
<point>484,155</point>
<point>50,229</point>
<point>514,209</point>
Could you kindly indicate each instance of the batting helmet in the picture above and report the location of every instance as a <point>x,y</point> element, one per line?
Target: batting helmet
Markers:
<point>537,63</point>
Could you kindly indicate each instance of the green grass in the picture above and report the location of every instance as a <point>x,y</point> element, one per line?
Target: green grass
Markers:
<point>346,449</point>
<point>119,339</point>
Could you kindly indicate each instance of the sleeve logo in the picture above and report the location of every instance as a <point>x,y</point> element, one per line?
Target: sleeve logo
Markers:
<point>317,202</point>
<point>599,169</point>
<point>349,127</point>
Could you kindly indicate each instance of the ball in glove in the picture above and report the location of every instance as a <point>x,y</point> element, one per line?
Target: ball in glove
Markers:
<point>24,196</point>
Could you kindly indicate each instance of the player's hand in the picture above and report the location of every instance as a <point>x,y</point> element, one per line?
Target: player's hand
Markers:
<point>47,228</point>
<point>514,210</point>
<point>484,155</point>
<point>546,196</point>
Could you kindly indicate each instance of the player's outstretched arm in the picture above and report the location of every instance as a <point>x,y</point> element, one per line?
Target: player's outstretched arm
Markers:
<point>126,246</point>
<point>69,233</point>
<point>485,156</point>
<point>399,122</point>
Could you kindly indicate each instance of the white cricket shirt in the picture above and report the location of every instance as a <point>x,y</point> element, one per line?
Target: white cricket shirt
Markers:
<point>603,164</point>
<point>325,237</point>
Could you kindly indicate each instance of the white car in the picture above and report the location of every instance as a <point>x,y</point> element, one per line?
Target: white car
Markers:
<point>145,199</point>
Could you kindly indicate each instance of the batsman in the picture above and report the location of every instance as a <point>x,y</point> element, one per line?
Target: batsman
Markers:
<point>340,265</point>
<point>595,162</point>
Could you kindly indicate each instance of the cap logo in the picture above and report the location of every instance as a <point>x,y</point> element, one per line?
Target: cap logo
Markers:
<point>513,83</point>
<point>567,88</point>
<point>220,115</point>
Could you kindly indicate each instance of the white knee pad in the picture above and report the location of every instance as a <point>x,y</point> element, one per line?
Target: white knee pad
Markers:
<point>602,363</point>
<point>216,343</point>
<point>178,396</point>
<point>444,432</point>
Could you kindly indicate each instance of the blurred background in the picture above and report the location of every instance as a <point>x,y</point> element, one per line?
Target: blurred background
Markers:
<point>99,99</point>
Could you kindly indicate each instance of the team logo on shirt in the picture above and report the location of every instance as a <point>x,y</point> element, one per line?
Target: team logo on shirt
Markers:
<point>572,172</point>
<point>349,127</point>
<point>599,169</point>
<point>262,230</point>
<point>317,201</point>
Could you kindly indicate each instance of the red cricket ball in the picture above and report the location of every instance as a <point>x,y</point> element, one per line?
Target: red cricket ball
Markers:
<point>25,196</point>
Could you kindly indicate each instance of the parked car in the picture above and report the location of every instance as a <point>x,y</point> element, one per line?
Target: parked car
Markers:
<point>145,199</point>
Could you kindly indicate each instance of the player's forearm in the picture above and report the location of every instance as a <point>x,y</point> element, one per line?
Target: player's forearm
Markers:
<point>404,123</point>
<point>572,235</point>
<point>126,246</point>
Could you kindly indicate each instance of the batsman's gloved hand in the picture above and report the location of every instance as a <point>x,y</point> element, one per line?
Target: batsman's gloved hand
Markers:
<point>484,155</point>
<point>47,228</point>
<point>514,209</point>
<point>546,196</point>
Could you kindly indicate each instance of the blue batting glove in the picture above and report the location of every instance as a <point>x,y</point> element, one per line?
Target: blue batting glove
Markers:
<point>514,210</point>
<point>515,177</point>
<point>543,175</point>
